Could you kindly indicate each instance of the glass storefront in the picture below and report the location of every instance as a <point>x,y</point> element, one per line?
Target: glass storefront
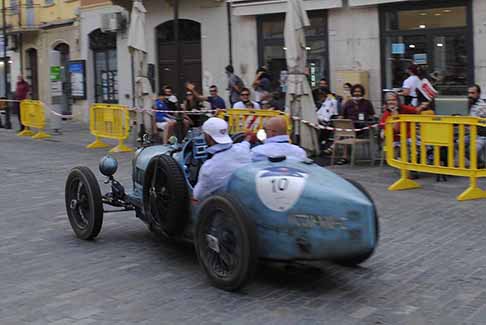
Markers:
<point>437,37</point>
<point>272,47</point>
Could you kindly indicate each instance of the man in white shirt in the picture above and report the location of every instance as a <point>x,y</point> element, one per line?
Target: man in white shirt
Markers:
<point>410,86</point>
<point>226,157</point>
<point>277,142</point>
<point>328,109</point>
<point>245,102</point>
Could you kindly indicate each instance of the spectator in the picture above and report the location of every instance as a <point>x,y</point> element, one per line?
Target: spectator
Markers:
<point>245,102</point>
<point>191,103</point>
<point>329,107</point>
<point>262,84</point>
<point>235,85</point>
<point>213,99</point>
<point>393,107</point>
<point>477,108</point>
<point>323,87</point>
<point>410,86</point>
<point>163,119</point>
<point>21,91</point>
<point>170,99</point>
<point>358,109</point>
<point>271,101</point>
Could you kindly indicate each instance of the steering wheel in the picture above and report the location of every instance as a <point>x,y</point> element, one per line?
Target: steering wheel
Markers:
<point>240,137</point>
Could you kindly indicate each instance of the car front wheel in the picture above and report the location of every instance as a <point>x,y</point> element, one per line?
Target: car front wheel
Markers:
<point>225,240</point>
<point>83,203</point>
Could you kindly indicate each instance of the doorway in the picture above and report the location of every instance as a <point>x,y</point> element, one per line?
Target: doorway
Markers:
<point>65,98</point>
<point>190,60</point>
<point>32,73</point>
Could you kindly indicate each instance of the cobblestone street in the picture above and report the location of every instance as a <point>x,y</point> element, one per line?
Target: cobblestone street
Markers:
<point>429,268</point>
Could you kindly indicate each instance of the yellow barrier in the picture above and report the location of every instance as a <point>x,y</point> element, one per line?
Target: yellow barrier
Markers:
<point>241,120</point>
<point>33,115</point>
<point>445,139</point>
<point>109,121</point>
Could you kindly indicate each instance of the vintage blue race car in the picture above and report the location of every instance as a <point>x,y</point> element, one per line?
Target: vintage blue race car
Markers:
<point>280,209</point>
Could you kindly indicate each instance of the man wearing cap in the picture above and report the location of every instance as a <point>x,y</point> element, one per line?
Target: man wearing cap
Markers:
<point>226,157</point>
<point>277,142</point>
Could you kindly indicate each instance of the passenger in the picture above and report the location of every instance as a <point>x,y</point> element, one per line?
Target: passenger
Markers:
<point>277,142</point>
<point>226,157</point>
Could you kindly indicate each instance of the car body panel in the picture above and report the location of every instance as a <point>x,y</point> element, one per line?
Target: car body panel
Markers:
<point>329,219</point>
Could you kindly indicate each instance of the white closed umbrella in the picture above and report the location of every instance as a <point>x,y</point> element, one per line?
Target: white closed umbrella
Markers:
<point>137,45</point>
<point>299,100</point>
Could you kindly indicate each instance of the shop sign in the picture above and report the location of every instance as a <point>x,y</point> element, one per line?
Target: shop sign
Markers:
<point>398,48</point>
<point>420,58</point>
<point>56,84</point>
<point>77,77</point>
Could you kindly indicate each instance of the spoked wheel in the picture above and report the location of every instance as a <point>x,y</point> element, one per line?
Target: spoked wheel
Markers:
<point>225,241</point>
<point>83,203</point>
<point>358,259</point>
<point>165,196</point>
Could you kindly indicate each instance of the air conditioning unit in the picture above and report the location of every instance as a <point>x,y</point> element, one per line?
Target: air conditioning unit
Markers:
<point>112,22</point>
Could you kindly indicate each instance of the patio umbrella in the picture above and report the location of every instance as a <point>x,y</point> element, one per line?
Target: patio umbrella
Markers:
<point>299,94</point>
<point>142,89</point>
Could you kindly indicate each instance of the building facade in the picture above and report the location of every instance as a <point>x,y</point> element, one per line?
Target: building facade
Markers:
<point>39,31</point>
<point>366,41</point>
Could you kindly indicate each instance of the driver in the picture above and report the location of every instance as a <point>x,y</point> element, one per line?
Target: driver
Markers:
<point>226,157</point>
<point>277,142</point>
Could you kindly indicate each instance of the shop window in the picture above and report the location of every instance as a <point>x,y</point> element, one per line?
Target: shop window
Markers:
<point>445,17</point>
<point>438,39</point>
<point>272,48</point>
<point>103,46</point>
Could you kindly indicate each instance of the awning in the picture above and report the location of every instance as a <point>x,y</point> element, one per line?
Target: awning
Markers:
<point>355,3</point>
<point>261,7</point>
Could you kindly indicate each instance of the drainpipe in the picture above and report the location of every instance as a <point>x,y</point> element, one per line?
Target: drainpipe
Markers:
<point>230,34</point>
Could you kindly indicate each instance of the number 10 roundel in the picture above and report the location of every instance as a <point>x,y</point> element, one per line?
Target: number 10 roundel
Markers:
<point>279,188</point>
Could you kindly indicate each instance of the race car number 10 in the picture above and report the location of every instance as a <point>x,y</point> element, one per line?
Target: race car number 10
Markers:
<point>279,188</point>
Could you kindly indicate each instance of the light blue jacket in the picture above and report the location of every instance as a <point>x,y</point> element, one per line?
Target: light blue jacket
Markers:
<point>277,146</point>
<point>216,171</point>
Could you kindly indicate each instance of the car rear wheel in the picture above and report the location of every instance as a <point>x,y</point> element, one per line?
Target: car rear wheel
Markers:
<point>360,258</point>
<point>225,240</point>
<point>166,199</point>
<point>83,203</point>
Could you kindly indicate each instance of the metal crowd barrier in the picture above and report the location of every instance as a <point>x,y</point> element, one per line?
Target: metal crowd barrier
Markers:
<point>435,144</point>
<point>33,116</point>
<point>109,121</point>
<point>241,120</point>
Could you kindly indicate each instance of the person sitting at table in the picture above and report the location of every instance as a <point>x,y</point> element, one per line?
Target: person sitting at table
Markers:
<point>393,107</point>
<point>358,109</point>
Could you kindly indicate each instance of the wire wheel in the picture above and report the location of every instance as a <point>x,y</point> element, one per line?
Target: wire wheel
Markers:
<point>166,198</point>
<point>226,243</point>
<point>83,203</point>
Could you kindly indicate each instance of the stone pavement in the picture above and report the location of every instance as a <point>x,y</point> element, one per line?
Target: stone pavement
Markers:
<point>430,266</point>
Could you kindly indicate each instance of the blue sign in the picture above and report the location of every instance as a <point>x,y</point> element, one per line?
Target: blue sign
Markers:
<point>398,48</point>
<point>77,75</point>
<point>76,67</point>
<point>420,58</point>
